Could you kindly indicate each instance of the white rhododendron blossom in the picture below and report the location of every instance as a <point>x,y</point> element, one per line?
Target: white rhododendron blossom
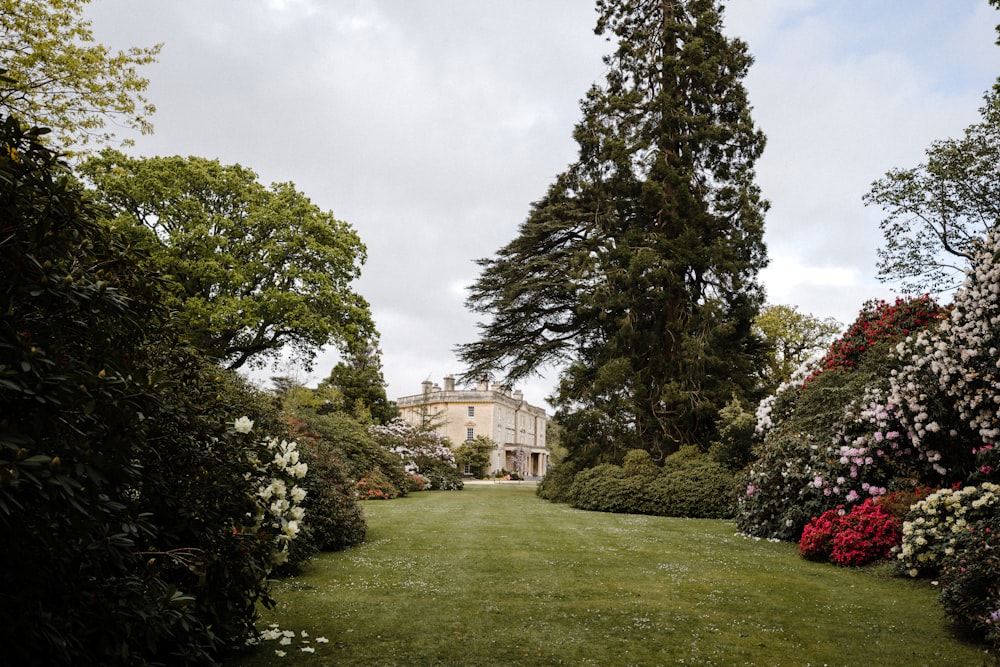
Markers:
<point>243,424</point>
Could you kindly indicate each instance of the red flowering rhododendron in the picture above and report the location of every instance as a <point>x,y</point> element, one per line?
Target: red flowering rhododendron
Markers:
<point>865,534</point>
<point>817,537</point>
<point>879,322</point>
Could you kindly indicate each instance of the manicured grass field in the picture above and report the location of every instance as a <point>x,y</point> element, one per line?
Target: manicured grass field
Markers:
<point>494,576</point>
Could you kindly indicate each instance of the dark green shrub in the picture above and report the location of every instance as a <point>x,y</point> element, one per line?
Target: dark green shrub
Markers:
<point>970,580</point>
<point>601,489</point>
<point>125,492</point>
<point>692,485</point>
<point>638,463</point>
<point>440,475</point>
<point>734,446</point>
<point>558,481</point>
<point>334,520</point>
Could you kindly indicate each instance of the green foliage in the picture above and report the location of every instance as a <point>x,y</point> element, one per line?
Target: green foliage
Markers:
<point>124,496</point>
<point>334,520</point>
<point>358,379</point>
<point>558,482</point>
<point>605,488</point>
<point>61,79</point>
<point>734,446</point>
<point>69,411</point>
<point>692,485</point>
<point>970,580</point>
<point>638,463</point>
<point>476,455</point>
<point>938,212</point>
<point>255,269</point>
<point>792,338</point>
<point>639,265</point>
<point>689,485</point>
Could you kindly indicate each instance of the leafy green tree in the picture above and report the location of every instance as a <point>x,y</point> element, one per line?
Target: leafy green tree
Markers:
<point>63,80</point>
<point>638,268</point>
<point>793,337</point>
<point>938,213</point>
<point>358,377</point>
<point>475,454</point>
<point>256,269</point>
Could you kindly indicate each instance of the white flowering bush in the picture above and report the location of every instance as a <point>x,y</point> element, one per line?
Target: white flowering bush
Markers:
<point>278,497</point>
<point>949,387</point>
<point>935,524</point>
<point>769,411</point>
<point>422,452</point>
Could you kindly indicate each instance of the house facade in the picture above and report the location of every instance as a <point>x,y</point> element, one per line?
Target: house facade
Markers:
<point>496,412</point>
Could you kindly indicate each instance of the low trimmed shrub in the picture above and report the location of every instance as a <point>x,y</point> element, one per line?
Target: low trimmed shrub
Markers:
<point>693,485</point>
<point>558,481</point>
<point>600,489</point>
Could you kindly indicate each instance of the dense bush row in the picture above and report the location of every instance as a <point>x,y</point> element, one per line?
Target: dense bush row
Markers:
<point>688,484</point>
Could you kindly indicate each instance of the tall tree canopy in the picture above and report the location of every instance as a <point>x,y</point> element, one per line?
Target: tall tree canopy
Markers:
<point>358,377</point>
<point>939,212</point>
<point>638,268</point>
<point>256,269</point>
<point>792,338</point>
<point>62,79</point>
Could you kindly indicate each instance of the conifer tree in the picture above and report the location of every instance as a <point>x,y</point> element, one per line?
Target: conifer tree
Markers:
<point>637,271</point>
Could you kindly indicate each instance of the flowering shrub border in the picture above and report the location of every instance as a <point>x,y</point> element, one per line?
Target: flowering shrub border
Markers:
<point>934,524</point>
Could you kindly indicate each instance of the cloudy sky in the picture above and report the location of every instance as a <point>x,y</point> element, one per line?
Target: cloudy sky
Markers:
<point>431,125</point>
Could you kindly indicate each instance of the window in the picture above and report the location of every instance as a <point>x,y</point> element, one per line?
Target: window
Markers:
<point>472,411</point>
<point>470,433</point>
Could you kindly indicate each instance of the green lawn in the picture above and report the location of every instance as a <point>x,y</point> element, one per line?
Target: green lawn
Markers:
<point>494,576</point>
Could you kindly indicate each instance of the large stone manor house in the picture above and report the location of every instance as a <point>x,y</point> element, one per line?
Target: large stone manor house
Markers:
<point>494,411</point>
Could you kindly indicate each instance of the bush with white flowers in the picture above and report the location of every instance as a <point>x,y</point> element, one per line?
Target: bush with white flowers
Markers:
<point>949,388</point>
<point>278,498</point>
<point>935,523</point>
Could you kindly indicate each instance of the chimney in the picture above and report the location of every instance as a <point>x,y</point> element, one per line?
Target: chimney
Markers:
<point>449,383</point>
<point>482,385</point>
<point>425,387</point>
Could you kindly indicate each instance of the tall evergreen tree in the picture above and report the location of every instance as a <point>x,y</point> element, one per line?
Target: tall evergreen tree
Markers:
<point>359,379</point>
<point>638,268</point>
